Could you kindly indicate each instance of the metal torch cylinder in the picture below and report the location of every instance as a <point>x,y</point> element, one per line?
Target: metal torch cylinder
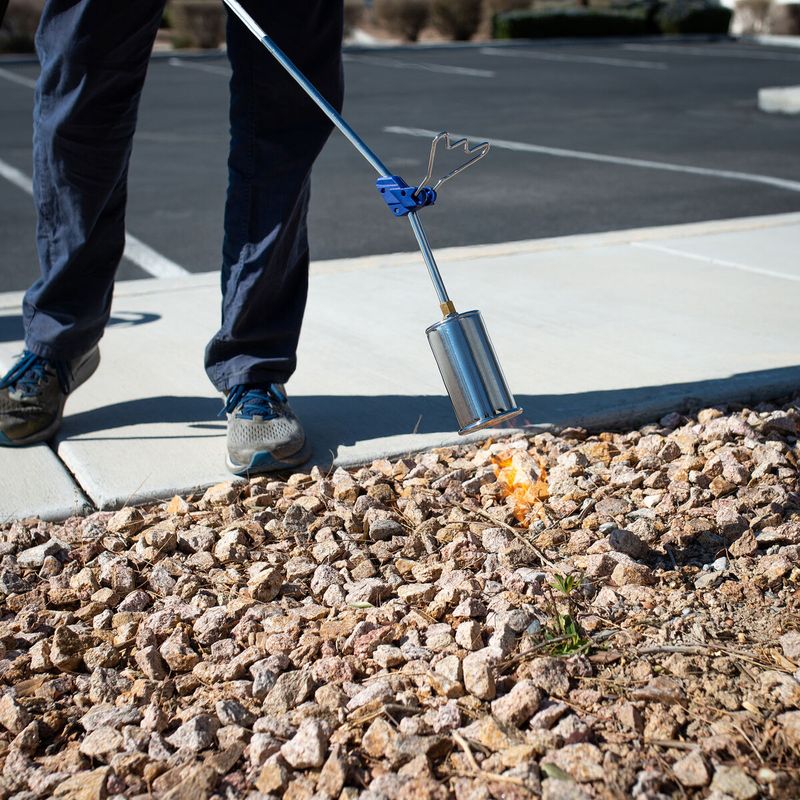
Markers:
<point>471,372</point>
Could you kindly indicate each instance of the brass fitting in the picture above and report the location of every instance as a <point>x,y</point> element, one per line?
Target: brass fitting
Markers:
<point>448,308</point>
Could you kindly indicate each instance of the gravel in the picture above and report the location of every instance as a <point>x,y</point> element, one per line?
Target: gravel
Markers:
<point>626,624</point>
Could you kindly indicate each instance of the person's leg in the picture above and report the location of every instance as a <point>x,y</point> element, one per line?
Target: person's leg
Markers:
<point>276,134</point>
<point>94,56</point>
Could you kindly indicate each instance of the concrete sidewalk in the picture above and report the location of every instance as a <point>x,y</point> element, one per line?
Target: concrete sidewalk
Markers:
<point>595,330</point>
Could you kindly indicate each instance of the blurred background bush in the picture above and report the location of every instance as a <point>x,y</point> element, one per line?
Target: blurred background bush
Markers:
<point>196,23</point>
<point>456,19</point>
<point>19,25</point>
<point>201,23</point>
<point>402,18</point>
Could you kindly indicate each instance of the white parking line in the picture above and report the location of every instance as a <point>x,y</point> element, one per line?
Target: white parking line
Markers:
<point>16,78</point>
<point>151,261</point>
<point>199,66</point>
<point>13,175</point>
<point>559,152</point>
<point>136,251</point>
<point>577,59</point>
<point>378,61</point>
<point>717,262</point>
<point>397,63</point>
<point>709,52</point>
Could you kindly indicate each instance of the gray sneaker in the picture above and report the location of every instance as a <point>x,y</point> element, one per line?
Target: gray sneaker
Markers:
<point>33,392</point>
<point>264,435</point>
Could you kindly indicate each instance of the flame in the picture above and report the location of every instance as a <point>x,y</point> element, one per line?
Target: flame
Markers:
<point>524,481</point>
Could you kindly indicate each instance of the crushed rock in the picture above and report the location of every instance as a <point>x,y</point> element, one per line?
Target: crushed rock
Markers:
<point>410,629</point>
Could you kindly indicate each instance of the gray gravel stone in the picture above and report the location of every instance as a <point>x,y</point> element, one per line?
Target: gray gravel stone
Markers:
<point>479,673</point>
<point>199,733</point>
<point>34,557</point>
<point>309,746</point>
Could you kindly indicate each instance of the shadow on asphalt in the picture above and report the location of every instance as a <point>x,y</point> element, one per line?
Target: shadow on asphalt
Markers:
<point>335,421</point>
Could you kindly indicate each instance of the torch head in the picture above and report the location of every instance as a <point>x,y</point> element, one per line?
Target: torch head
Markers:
<point>471,372</point>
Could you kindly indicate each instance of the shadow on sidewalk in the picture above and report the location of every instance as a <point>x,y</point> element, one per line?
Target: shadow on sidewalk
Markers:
<point>11,329</point>
<point>335,421</point>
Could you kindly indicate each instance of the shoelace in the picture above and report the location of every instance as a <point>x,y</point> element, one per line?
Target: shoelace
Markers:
<point>32,370</point>
<point>256,401</point>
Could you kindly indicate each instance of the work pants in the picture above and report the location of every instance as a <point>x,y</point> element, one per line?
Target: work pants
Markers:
<point>94,56</point>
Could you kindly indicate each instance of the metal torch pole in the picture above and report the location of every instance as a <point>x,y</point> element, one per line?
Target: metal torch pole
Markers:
<point>445,303</point>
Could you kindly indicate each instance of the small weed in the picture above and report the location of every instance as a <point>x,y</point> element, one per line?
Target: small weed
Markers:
<point>564,632</point>
<point>566,637</point>
<point>566,584</point>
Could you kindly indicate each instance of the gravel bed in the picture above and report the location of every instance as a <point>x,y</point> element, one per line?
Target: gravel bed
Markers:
<point>560,615</point>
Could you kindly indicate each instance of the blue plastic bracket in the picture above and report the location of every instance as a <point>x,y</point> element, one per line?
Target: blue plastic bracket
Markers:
<point>402,198</point>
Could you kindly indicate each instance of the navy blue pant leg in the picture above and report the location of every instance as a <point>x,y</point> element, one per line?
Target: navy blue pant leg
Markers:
<point>276,133</point>
<point>94,56</point>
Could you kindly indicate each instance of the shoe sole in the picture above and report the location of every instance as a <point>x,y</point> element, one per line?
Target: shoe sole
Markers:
<point>82,373</point>
<point>265,461</point>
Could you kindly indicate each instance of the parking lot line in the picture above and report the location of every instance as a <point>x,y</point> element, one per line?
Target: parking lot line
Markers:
<point>9,75</point>
<point>717,262</point>
<point>382,61</point>
<point>397,63</point>
<point>15,176</point>
<point>710,52</point>
<point>577,59</point>
<point>151,261</point>
<point>560,152</point>
<point>136,251</point>
<point>200,67</point>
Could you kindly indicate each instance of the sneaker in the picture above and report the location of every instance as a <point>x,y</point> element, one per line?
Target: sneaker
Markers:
<point>264,435</point>
<point>33,392</point>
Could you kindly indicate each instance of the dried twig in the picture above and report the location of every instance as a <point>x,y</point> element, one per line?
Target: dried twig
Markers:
<point>517,535</point>
<point>706,649</point>
<point>673,743</point>
<point>683,649</point>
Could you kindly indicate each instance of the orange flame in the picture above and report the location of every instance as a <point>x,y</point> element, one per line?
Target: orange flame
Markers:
<point>524,482</point>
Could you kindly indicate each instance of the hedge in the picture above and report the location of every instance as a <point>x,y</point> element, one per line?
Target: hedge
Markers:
<point>694,16</point>
<point>568,22</point>
<point>633,19</point>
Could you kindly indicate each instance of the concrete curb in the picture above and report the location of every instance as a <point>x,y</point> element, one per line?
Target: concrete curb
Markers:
<point>11,300</point>
<point>200,55</point>
<point>547,42</point>
<point>774,41</point>
<point>650,405</point>
<point>581,241</point>
<point>50,492</point>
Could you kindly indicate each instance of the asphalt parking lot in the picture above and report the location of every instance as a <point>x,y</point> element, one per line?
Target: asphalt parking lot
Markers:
<point>588,137</point>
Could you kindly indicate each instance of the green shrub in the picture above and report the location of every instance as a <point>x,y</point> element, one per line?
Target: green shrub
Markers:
<point>197,23</point>
<point>494,7</point>
<point>569,22</point>
<point>693,16</point>
<point>647,9</point>
<point>403,18</point>
<point>19,25</point>
<point>456,19</point>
